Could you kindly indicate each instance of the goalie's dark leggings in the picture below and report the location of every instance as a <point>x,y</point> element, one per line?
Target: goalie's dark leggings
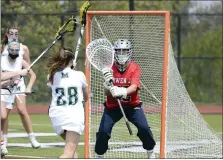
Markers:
<point>134,115</point>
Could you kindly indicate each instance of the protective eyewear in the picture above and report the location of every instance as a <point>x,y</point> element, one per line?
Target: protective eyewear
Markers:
<point>13,33</point>
<point>14,50</point>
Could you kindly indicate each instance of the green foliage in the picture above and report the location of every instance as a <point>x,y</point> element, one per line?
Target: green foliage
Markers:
<point>200,36</point>
<point>204,82</point>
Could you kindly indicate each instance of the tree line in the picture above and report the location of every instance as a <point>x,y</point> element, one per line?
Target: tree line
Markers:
<point>200,37</point>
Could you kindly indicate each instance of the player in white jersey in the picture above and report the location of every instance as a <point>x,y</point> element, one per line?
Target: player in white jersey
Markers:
<point>12,34</point>
<point>9,75</point>
<point>12,62</point>
<point>69,92</point>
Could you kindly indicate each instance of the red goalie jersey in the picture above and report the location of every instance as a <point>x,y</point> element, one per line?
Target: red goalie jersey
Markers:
<point>129,77</point>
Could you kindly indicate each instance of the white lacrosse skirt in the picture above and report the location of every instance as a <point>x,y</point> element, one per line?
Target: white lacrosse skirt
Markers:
<point>7,99</point>
<point>70,118</point>
<point>10,99</point>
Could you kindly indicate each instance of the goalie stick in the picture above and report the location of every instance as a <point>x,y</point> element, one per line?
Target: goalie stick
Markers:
<point>100,53</point>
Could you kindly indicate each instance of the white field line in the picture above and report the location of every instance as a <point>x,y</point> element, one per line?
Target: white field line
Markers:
<point>49,125</point>
<point>12,130</point>
<point>25,157</point>
<point>20,124</point>
<point>20,135</point>
<point>92,126</point>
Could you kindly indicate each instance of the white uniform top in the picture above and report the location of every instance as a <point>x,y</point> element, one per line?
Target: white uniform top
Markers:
<point>21,51</point>
<point>66,110</point>
<point>9,67</point>
<point>6,66</point>
<point>21,85</point>
<point>67,88</point>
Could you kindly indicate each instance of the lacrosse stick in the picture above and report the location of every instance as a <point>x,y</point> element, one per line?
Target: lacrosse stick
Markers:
<point>83,11</point>
<point>100,53</point>
<point>10,92</point>
<point>17,93</point>
<point>68,27</point>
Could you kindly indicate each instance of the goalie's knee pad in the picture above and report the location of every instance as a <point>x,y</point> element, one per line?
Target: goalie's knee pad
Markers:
<point>146,137</point>
<point>101,145</point>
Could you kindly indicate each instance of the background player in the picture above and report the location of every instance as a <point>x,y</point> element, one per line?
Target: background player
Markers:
<point>12,34</point>
<point>13,62</point>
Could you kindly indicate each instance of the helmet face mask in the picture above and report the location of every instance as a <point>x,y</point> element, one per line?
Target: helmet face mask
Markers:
<point>13,49</point>
<point>123,53</point>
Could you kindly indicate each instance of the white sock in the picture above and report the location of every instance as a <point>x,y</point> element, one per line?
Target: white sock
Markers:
<point>31,135</point>
<point>5,136</point>
<point>99,156</point>
<point>150,153</point>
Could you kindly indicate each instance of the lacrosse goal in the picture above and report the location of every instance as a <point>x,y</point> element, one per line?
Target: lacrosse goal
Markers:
<point>178,128</point>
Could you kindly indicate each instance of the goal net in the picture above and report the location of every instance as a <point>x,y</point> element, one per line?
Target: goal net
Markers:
<point>185,134</point>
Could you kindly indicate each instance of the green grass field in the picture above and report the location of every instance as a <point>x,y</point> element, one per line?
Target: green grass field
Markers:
<point>42,124</point>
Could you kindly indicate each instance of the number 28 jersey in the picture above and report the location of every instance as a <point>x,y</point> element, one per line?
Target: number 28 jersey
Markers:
<point>67,88</point>
<point>129,77</point>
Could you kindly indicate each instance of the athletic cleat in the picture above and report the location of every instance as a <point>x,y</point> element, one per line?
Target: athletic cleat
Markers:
<point>99,156</point>
<point>4,150</point>
<point>34,142</point>
<point>151,154</point>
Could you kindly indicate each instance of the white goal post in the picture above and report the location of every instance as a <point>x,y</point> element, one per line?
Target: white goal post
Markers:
<point>178,128</point>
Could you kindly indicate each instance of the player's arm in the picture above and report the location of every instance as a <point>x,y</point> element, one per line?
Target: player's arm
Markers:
<point>122,92</point>
<point>5,83</point>
<point>135,81</point>
<point>107,92</point>
<point>84,87</point>
<point>131,89</point>
<point>8,75</point>
<point>85,93</point>
<point>32,76</point>
<point>26,55</point>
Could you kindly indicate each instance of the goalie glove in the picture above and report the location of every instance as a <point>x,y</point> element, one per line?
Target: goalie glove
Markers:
<point>108,78</point>
<point>118,92</point>
<point>108,75</point>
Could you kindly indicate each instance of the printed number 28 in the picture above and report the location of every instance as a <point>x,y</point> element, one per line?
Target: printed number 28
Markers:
<point>71,95</point>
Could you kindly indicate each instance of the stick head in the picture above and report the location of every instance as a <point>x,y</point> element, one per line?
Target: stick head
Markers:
<point>83,11</point>
<point>69,26</point>
<point>100,53</point>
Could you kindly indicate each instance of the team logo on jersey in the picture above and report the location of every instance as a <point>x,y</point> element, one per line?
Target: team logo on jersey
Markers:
<point>18,89</point>
<point>64,75</point>
<point>122,80</point>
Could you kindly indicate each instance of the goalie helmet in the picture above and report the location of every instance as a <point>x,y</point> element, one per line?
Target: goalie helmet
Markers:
<point>123,54</point>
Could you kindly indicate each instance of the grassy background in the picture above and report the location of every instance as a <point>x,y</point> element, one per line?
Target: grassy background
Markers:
<point>42,123</point>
